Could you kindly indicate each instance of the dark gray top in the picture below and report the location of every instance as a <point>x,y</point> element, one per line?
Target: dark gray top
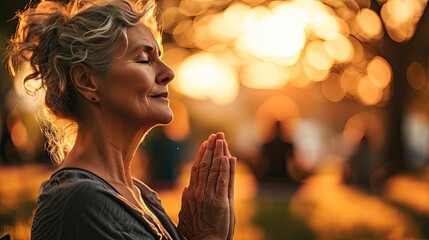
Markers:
<point>77,204</point>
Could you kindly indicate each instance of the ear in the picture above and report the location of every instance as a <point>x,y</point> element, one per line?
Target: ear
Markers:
<point>85,82</point>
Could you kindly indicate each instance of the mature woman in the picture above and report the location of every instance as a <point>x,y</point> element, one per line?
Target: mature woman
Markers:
<point>98,64</point>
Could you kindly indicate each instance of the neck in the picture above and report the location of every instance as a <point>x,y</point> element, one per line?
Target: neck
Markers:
<point>106,151</point>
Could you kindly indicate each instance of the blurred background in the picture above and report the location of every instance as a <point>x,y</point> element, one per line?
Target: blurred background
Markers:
<point>324,102</point>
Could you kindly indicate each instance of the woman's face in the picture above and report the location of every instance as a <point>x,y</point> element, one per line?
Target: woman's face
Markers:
<point>134,88</point>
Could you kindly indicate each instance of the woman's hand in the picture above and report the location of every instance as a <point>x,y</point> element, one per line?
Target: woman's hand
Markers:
<point>208,202</point>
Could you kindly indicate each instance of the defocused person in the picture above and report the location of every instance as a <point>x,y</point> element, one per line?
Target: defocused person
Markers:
<point>277,160</point>
<point>361,165</point>
<point>98,66</point>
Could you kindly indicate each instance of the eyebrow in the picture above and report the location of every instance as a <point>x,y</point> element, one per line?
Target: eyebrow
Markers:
<point>147,48</point>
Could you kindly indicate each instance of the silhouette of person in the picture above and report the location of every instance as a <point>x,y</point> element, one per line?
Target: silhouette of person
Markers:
<point>277,157</point>
<point>361,165</point>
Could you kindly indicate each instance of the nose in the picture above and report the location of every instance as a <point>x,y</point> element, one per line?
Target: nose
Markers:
<point>165,74</point>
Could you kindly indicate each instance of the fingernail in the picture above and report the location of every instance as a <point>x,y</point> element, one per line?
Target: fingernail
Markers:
<point>218,143</point>
<point>221,135</point>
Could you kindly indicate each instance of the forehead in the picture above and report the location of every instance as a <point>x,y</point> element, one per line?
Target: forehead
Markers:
<point>139,37</point>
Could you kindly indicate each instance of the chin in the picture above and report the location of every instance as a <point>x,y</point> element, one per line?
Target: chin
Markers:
<point>166,118</point>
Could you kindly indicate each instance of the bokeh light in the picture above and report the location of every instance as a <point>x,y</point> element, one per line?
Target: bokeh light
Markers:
<point>279,43</point>
<point>379,72</point>
<point>332,89</point>
<point>416,75</point>
<point>368,24</point>
<point>263,75</point>
<point>204,75</point>
<point>400,17</point>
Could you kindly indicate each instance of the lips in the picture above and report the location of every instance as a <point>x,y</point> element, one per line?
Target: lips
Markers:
<point>160,95</point>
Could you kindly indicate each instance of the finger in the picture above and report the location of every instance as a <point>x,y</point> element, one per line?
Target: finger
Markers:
<point>232,227</point>
<point>226,149</point>
<point>193,182</point>
<point>206,162</point>
<point>218,150</point>
<point>215,168</point>
<point>220,135</point>
<point>222,184</point>
<point>232,164</point>
<point>185,191</point>
<point>184,196</point>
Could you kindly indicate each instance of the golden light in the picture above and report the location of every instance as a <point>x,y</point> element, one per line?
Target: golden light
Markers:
<point>417,200</point>
<point>368,24</point>
<point>275,35</point>
<point>379,72</point>
<point>317,56</point>
<point>273,44</point>
<point>203,36</point>
<point>339,48</point>
<point>171,16</point>
<point>416,75</point>
<point>237,14</point>
<point>284,61</point>
<point>253,2</point>
<point>354,130</point>
<point>349,79</point>
<point>367,92</point>
<point>263,75</point>
<point>173,56</point>
<point>179,128</point>
<point>277,108</point>
<point>324,25</point>
<point>28,102</point>
<point>312,73</point>
<point>296,42</point>
<point>182,33</point>
<point>332,89</point>
<point>19,134</point>
<point>400,18</point>
<point>400,11</point>
<point>317,208</point>
<point>301,81</point>
<point>358,50</point>
<point>193,7</point>
<point>206,76</point>
<point>364,124</point>
<point>254,16</point>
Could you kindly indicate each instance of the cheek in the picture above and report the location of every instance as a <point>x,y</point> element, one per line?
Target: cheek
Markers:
<point>130,79</point>
<point>141,82</point>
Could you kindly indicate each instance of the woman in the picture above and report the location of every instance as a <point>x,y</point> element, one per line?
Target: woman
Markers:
<point>98,64</point>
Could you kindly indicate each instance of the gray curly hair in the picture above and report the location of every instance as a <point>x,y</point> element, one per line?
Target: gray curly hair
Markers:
<point>52,36</point>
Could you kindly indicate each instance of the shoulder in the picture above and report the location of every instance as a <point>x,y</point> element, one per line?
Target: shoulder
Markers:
<point>69,184</point>
<point>69,192</point>
<point>78,202</point>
